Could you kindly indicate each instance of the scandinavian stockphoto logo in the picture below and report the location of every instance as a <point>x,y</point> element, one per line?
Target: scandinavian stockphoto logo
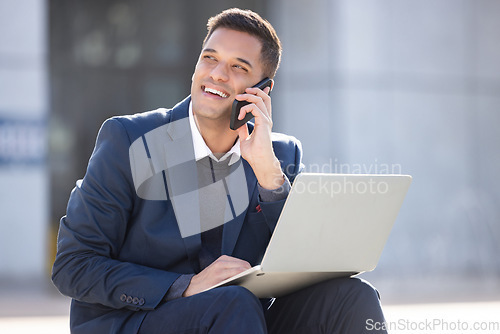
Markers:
<point>337,167</point>
<point>343,185</point>
<point>435,325</point>
<point>164,167</point>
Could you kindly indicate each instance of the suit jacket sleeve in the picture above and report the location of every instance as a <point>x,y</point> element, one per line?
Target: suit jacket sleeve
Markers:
<point>88,266</point>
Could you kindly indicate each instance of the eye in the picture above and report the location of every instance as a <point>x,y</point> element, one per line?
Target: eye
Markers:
<point>209,58</point>
<point>240,68</point>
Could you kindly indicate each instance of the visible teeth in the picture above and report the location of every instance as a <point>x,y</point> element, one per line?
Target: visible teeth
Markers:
<point>215,91</point>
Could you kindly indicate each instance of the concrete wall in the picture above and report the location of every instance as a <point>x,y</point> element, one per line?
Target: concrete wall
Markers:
<point>407,87</point>
<point>23,119</point>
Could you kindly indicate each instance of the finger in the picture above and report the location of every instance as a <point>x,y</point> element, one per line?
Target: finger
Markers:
<point>264,95</point>
<point>260,116</point>
<point>242,113</point>
<point>257,97</point>
<point>253,109</point>
<point>219,272</point>
<point>257,91</point>
<point>230,262</point>
<point>251,98</point>
<point>220,275</point>
<point>243,133</point>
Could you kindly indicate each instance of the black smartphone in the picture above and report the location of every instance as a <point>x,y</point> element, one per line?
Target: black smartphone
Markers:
<point>237,105</point>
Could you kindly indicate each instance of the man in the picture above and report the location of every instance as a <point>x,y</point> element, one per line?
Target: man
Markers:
<point>174,202</point>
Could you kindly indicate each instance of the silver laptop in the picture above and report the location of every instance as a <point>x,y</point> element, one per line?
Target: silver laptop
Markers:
<point>332,225</point>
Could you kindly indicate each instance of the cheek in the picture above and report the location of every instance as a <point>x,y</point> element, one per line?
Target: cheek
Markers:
<point>198,74</point>
<point>197,69</point>
<point>242,86</point>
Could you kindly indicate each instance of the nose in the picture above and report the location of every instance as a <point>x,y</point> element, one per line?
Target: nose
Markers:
<point>219,72</point>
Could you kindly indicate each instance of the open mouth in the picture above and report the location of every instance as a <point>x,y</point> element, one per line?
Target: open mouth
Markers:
<point>214,91</point>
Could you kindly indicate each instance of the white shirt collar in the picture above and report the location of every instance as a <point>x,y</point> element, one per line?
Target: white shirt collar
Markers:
<point>201,150</point>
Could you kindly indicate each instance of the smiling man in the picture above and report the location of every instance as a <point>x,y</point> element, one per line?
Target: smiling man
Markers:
<point>174,202</point>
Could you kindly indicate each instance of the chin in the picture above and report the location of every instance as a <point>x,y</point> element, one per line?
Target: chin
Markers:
<point>209,111</point>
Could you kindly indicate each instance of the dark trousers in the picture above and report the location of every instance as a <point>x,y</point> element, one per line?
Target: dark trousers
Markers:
<point>343,305</point>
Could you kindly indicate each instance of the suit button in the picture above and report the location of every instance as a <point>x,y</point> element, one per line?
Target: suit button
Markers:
<point>141,301</point>
<point>123,297</point>
<point>135,301</point>
<point>129,299</point>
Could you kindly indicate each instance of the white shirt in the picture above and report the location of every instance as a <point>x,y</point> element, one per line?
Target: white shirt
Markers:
<point>201,150</point>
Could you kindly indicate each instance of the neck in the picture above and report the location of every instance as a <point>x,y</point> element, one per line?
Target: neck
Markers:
<point>217,135</point>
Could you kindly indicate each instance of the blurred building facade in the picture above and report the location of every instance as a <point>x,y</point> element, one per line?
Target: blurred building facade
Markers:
<point>406,87</point>
<point>389,86</point>
<point>24,183</point>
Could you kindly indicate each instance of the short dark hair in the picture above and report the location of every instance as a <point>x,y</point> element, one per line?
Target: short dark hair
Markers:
<point>253,24</point>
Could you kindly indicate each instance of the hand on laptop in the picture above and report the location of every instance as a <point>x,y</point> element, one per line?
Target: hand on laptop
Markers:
<point>222,268</point>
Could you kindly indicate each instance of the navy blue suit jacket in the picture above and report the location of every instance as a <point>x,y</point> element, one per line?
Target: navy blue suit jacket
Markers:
<point>118,253</point>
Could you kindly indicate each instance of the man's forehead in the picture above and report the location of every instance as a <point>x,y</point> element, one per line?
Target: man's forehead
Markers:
<point>233,39</point>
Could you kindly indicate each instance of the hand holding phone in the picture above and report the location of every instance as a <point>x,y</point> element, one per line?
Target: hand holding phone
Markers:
<point>235,123</point>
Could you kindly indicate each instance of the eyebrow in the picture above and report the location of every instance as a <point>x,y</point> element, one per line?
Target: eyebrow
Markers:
<point>242,60</point>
